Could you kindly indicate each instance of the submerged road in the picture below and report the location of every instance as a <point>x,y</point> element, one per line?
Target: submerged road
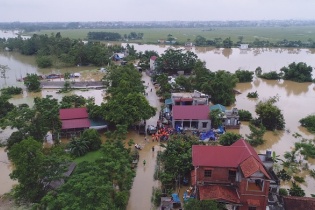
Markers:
<point>141,192</point>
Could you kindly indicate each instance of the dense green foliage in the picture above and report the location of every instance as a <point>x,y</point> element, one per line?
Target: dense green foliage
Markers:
<point>283,175</point>
<point>54,50</point>
<point>256,137</point>
<point>33,122</point>
<point>283,192</point>
<point>175,161</point>
<point>296,190</point>
<point>228,138</point>
<point>32,82</point>
<point>244,75</point>
<point>309,123</point>
<point>104,36</point>
<point>244,115</point>
<point>216,118</point>
<point>194,204</point>
<point>299,72</point>
<point>5,106</point>
<point>270,115</point>
<point>103,184</point>
<point>172,61</point>
<point>252,94</point>
<point>126,103</point>
<point>35,169</point>
<point>307,149</point>
<point>72,101</point>
<point>272,75</point>
<point>11,90</point>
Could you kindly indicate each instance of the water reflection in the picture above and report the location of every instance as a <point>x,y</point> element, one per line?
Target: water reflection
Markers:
<point>227,52</point>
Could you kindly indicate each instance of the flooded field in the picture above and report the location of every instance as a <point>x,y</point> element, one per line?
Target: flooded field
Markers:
<point>296,100</point>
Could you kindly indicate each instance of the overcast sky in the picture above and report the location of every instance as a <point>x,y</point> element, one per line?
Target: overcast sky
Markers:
<point>154,10</point>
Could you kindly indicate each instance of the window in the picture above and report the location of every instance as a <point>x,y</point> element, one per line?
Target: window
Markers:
<point>251,208</point>
<point>208,173</point>
<point>204,124</point>
<point>232,175</point>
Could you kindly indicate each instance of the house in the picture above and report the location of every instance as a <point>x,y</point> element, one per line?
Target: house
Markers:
<point>230,118</point>
<point>74,121</point>
<point>152,62</point>
<point>243,46</point>
<point>234,175</point>
<point>188,110</point>
<point>193,117</point>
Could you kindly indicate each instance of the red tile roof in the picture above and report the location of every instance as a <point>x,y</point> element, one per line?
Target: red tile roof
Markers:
<point>191,112</point>
<point>75,123</point>
<point>73,113</point>
<point>153,58</point>
<point>216,192</point>
<point>298,203</point>
<point>238,154</point>
<point>252,202</point>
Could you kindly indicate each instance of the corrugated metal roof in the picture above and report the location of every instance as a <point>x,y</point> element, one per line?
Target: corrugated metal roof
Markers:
<point>218,106</point>
<point>73,113</point>
<point>195,112</point>
<point>75,123</point>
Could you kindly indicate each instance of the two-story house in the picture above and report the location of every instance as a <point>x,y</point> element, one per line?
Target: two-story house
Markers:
<point>190,111</point>
<point>234,175</point>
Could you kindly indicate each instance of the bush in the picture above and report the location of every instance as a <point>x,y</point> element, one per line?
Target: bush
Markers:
<point>252,94</point>
<point>312,173</point>
<point>229,138</point>
<point>244,115</point>
<point>283,192</point>
<point>44,61</point>
<point>309,123</point>
<point>11,90</point>
<point>298,179</point>
<point>283,175</point>
<point>273,75</point>
<point>244,75</point>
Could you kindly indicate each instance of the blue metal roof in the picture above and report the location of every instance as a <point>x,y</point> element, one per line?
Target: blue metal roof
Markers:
<point>168,101</point>
<point>218,106</point>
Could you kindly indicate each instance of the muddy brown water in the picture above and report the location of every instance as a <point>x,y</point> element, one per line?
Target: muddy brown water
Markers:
<point>296,101</point>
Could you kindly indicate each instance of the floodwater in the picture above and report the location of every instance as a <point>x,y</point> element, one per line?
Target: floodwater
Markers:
<point>296,100</point>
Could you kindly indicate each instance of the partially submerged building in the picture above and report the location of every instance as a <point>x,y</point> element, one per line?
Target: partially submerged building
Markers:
<point>234,175</point>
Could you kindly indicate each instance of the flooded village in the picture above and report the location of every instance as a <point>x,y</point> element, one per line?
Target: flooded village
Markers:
<point>296,101</point>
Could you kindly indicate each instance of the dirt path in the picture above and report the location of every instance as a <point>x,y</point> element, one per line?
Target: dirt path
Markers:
<point>140,194</point>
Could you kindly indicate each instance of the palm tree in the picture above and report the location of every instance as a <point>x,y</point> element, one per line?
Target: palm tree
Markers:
<point>78,146</point>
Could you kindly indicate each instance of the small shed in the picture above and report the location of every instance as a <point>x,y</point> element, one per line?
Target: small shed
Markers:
<point>219,107</point>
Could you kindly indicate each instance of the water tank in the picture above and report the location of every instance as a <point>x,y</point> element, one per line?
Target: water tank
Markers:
<point>268,154</point>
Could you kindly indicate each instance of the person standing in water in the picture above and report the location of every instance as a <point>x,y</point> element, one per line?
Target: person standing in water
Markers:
<point>144,162</point>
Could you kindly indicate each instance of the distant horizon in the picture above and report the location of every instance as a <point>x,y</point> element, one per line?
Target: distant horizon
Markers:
<point>162,10</point>
<point>145,21</point>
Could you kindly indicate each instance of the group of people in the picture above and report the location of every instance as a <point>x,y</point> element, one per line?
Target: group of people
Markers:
<point>162,134</point>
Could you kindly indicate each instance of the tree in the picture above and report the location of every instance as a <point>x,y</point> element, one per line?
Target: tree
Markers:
<point>176,60</point>
<point>270,115</point>
<point>11,90</point>
<point>227,43</point>
<point>127,109</point>
<point>256,137</point>
<point>34,170</point>
<point>299,72</point>
<point>32,83</point>
<point>93,138</point>
<point>216,118</point>
<point>309,123</point>
<point>244,115</point>
<point>194,204</point>
<point>244,75</point>
<point>72,101</point>
<point>228,138</point>
<point>272,75</point>
<point>200,41</point>
<point>44,61</point>
<point>295,190</point>
<point>78,146</point>
<point>102,184</point>
<point>175,160</point>
<point>5,106</point>
<point>258,71</point>
<point>252,94</point>
<point>220,87</point>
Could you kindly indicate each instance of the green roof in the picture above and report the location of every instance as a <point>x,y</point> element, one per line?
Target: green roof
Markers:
<point>218,106</point>
<point>168,101</point>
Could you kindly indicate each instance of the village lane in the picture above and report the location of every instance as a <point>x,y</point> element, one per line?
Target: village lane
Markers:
<point>140,194</point>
